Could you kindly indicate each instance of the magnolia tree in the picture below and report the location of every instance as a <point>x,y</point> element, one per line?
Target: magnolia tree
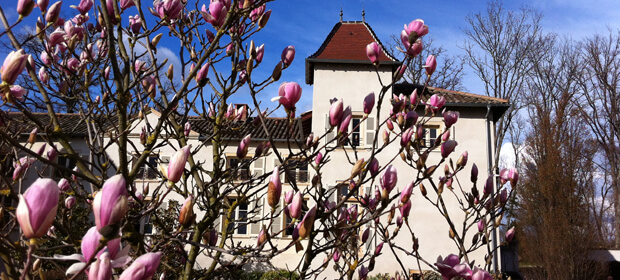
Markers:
<point>102,61</point>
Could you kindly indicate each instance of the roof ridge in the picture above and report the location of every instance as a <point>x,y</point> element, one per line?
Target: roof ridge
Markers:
<point>470,94</point>
<point>374,36</point>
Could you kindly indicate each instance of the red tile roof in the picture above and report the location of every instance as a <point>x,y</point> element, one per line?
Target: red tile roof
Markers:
<point>346,44</point>
<point>348,40</point>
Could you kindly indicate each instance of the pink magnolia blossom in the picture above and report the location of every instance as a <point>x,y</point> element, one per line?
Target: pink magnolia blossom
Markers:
<point>143,268</point>
<point>13,65</point>
<point>101,269</point>
<point>369,103</point>
<point>389,179</point>
<point>260,52</point>
<point>431,65</point>
<point>288,54</point>
<point>52,14</point>
<point>176,166</point>
<point>84,6</point>
<point>451,267</point>
<point>37,208</point>
<point>289,94</point>
<point>216,14</point>
<point>335,113</point>
<point>450,118</point>
<point>373,51</point>
<point>447,148</point>
<point>24,7</point>
<point>169,9</point>
<point>70,201</point>
<point>295,207</point>
<point>135,23</point>
<point>510,234</point>
<point>435,103</point>
<point>274,190</point>
<point>186,216</point>
<point>242,150</point>
<point>347,115</point>
<point>111,204</point>
<point>42,4</point>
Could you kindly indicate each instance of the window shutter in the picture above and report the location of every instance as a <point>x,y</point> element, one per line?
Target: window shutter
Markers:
<point>329,136</point>
<point>370,131</point>
<point>259,166</point>
<point>256,216</point>
<point>276,225</point>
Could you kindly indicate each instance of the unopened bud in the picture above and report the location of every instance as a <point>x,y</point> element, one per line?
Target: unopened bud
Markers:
<point>357,168</point>
<point>155,40</point>
<point>170,72</point>
<point>277,72</point>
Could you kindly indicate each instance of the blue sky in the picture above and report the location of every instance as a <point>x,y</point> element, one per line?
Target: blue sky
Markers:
<point>306,23</point>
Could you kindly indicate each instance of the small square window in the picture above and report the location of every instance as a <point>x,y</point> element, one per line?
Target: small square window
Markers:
<point>148,169</point>
<point>239,224</point>
<point>241,167</point>
<point>299,169</point>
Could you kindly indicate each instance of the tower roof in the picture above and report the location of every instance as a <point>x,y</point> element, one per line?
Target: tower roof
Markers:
<point>346,43</point>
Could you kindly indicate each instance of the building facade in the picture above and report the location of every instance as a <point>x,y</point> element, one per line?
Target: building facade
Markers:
<point>338,69</point>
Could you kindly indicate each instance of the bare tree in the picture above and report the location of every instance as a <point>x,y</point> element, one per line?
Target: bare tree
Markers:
<point>553,214</point>
<point>600,105</point>
<point>498,49</point>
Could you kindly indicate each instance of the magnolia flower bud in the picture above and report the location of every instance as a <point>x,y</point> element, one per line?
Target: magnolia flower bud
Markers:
<point>242,150</point>
<point>510,234</point>
<point>318,159</point>
<point>170,72</point>
<point>373,167</point>
<point>176,166</point>
<point>357,168</point>
<point>262,22</point>
<point>481,225</point>
<point>52,153</point>
<point>386,137</point>
<point>373,52</point>
<point>37,208</point>
<point>462,161</point>
<point>186,216</point>
<point>201,76</point>
<point>365,235</point>
<point>143,268</point>
<point>369,103</point>
<point>53,12</point>
<point>378,249</point>
<point>24,7</point>
<point>347,115</point>
<point>406,193</point>
<point>274,190</point>
<point>431,65</point>
<point>263,236</point>
<point>295,207</point>
<point>389,124</point>
<point>335,113</point>
<point>101,269</point>
<point>187,129</point>
<point>405,209</point>
<point>474,173</point>
<point>447,148</point>
<point>33,136</point>
<point>450,118</point>
<point>111,204</point>
<point>70,201</point>
<point>288,54</point>
<point>389,178</point>
<point>305,226</point>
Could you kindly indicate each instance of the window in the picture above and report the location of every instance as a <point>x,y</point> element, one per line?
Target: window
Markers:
<point>239,224</point>
<point>430,135</point>
<point>343,191</point>
<point>356,133</point>
<point>64,161</point>
<point>241,167</point>
<point>144,226</point>
<point>362,134</point>
<point>297,168</point>
<point>147,170</point>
